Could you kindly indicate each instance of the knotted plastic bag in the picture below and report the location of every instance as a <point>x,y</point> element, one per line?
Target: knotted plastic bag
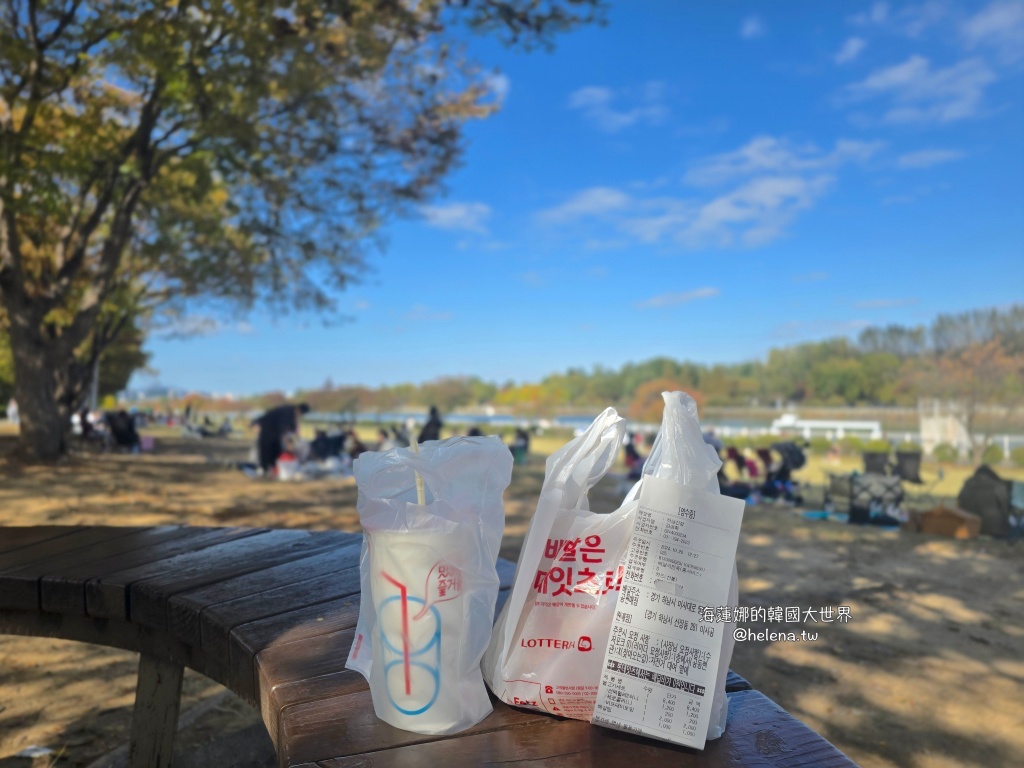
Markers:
<point>428,579</point>
<point>549,641</point>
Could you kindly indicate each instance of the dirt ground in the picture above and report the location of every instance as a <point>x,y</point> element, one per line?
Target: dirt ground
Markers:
<point>928,673</point>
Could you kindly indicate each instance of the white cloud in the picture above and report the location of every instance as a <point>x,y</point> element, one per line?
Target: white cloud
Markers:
<point>590,202</point>
<point>768,183</point>
<point>926,158</point>
<point>595,102</point>
<point>675,299</point>
<point>767,154</point>
<point>878,14</point>
<point>499,85</point>
<point>1000,26</point>
<point>191,326</point>
<point>920,94</point>
<point>421,313</point>
<point>755,213</point>
<point>362,305</point>
<point>469,217</point>
<point>851,50</point>
<point>752,27</point>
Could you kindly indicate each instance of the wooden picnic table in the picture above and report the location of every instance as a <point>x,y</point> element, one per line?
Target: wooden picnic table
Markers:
<point>270,614</point>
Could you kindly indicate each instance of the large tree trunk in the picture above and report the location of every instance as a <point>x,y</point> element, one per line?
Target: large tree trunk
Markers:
<point>44,388</point>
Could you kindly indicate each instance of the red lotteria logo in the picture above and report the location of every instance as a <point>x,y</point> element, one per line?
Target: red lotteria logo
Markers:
<point>585,643</point>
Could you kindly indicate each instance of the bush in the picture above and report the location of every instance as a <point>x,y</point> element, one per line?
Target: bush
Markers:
<point>877,446</point>
<point>944,452</point>
<point>851,444</point>
<point>1017,455</point>
<point>909,447</point>
<point>993,454</point>
<point>820,445</point>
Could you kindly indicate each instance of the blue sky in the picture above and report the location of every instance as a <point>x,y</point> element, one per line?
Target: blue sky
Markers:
<point>703,180</point>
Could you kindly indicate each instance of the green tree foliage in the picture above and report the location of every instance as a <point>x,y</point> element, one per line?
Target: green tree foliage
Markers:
<point>240,151</point>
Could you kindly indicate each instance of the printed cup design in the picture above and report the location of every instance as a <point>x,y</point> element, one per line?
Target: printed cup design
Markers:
<point>410,636</point>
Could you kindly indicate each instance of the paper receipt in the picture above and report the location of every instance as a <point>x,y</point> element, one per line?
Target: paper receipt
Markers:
<point>660,667</point>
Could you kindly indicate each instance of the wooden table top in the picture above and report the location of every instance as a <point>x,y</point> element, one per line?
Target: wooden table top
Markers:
<point>271,613</point>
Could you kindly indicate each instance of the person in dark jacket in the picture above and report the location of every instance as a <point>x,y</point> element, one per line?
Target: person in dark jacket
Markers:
<point>432,429</point>
<point>274,425</point>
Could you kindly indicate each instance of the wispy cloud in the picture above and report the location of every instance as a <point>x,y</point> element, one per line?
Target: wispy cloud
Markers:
<point>851,49</point>
<point>771,180</point>
<point>877,14</point>
<point>595,103</point>
<point>767,154</point>
<point>361,306</point>
<point>468,217</point>
<point>999,26</point>
<point>675,299</point>
<point>192,326</point>
<point>884,303</point>
<point>590,202</point>
<point>752,27</point>
<point>498,85</point>
<point>926,158</point>
<point>920,94</point>
<point>420,313</point>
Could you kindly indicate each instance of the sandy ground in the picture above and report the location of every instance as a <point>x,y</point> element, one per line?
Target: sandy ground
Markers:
<point>929,672</point>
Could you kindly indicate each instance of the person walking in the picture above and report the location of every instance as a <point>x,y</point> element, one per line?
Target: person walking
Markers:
<point>432,429</point>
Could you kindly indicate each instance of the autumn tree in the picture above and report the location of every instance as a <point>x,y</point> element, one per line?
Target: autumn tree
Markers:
<point>648,405</point>
<point>975,378</point>
<point>238,151</point>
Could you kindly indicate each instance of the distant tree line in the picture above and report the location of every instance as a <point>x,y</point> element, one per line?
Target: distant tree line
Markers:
<point>974,357</point>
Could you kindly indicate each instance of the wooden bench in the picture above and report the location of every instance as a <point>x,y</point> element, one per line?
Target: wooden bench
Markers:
<point>270,614</point>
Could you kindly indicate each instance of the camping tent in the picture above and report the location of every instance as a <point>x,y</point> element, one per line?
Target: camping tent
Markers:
<point>987,495</point>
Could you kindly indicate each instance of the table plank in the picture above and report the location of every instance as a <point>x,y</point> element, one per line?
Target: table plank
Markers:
<point>347,726</point>
<point>288,672</point>
<point>65,592</point>
<point>80,537</point>
<point>734,682</point>
<point>21,587</point>
<point>247,640</point>
<point>335,551</point>
<point>760,734</point>
<point>218,621</point>
<point>15,537</point>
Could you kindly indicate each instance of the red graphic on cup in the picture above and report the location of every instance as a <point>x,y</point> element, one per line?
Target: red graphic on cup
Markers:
<point>444,582</point>
<point>585,643</point>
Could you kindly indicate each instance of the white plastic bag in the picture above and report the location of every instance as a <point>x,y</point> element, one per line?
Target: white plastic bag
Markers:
<point>428,579</point>
<point>547,645</point>
<point>546,650</point>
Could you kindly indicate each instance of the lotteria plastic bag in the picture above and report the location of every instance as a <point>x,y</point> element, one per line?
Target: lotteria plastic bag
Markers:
<point>428,578</point>
<point>549,641</point>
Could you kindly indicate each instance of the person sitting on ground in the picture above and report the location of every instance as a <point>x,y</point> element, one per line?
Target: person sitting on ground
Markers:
<point>274,425</point>
<point>384,441</point>
<point>400,437</point>
<point>432,429</point>
<point>353,445</point>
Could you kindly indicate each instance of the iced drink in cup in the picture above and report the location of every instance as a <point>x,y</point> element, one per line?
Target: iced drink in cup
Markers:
<point>429,582</point>
<point>416,587</point>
